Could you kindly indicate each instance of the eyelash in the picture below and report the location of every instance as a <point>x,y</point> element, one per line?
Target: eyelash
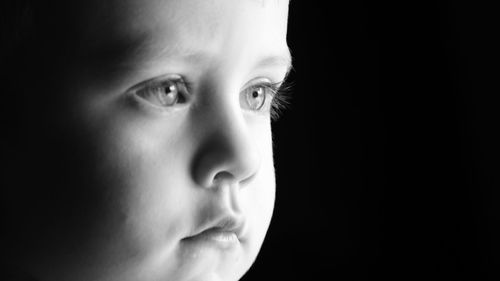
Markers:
<point>280,99</point>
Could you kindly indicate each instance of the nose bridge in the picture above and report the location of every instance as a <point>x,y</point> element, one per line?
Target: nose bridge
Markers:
<point>226,147</point>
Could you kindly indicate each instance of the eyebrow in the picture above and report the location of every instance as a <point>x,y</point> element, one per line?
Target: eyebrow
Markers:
<point>284,59</point>
<point>193,55</point>
<point>138,50</point>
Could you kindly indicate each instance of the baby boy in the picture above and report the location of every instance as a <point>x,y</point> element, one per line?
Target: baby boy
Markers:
<point>139,142</point>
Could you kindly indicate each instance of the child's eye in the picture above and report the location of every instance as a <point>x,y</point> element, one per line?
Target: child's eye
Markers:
<point>164,92</point>
<point>255,97</point>
<point>264,97</point>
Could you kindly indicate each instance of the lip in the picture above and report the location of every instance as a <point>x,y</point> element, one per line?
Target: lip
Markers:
<point>225,234</point>
<point>217,237</point>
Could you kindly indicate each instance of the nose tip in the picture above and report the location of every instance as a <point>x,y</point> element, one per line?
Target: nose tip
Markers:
<point>226,157</point>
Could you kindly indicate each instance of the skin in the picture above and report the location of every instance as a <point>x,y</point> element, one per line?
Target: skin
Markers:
<point>117,183</point>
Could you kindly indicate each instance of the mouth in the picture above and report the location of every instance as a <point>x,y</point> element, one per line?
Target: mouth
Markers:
<point>220,238</point>
<point>225,234</point>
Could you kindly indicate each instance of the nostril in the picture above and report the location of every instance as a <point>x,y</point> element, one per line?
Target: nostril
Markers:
<point>223,176</point>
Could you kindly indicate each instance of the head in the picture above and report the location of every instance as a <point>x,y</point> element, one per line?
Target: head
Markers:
<point>139,145</point>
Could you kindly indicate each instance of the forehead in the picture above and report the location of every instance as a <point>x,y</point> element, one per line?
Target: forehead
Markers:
<point>154,26</point>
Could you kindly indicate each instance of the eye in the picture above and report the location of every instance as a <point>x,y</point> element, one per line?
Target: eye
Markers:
<point>163,92</point>
<point>266,97</point>
<point>259,97</point>
<point>256,96</point>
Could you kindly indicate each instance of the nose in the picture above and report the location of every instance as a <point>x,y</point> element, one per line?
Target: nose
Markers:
<point>226,148</point>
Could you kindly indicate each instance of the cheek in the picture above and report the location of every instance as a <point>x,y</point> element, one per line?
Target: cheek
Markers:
<point>259,197</point>
<point>144,201</point>
<point>141,178</point>
<point>259,202</point>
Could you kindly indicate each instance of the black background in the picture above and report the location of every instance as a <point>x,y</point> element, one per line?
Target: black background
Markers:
<point>387,159</point>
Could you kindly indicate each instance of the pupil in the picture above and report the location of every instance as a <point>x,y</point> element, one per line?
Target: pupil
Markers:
<point>169,89</point>
<point>255,94</point>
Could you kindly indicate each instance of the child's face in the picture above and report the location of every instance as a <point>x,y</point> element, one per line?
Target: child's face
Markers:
<point>166,106</point>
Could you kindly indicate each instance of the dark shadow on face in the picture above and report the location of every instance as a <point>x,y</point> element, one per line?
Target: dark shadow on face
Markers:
<point>46,166</point>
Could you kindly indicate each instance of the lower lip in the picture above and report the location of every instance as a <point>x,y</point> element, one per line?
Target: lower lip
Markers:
<point>220,239</point>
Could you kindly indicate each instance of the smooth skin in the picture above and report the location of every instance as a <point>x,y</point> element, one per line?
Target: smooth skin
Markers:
<point>130,177</point>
